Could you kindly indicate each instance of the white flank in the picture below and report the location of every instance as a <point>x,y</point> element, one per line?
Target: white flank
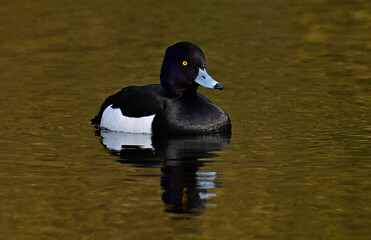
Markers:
<point>113,119</point>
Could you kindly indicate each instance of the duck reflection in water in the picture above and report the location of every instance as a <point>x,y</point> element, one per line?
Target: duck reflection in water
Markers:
<point>185,188</point>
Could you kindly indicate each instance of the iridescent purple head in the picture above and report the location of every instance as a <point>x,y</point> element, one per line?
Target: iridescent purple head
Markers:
<point>184,69</point>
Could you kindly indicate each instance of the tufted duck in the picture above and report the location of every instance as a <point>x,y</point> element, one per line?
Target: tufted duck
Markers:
<point>171,108</point>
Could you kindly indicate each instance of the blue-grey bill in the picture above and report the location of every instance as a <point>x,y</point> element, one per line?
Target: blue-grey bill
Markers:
<point>204,79</point>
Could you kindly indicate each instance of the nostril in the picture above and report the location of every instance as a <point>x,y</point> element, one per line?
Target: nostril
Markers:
<point>203,76</point>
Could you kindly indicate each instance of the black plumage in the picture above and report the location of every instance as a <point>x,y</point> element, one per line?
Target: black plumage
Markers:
<point>178,108</point>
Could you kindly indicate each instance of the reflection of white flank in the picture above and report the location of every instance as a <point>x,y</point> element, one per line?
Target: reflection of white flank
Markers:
<point>205,180</point>
<point>208,174</point>
<point>206,195</point>
<point>118,140</point>
<point>205,185</point>
<point>113,119</point>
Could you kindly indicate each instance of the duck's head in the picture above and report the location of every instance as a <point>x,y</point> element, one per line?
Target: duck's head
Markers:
<point>184,69</point>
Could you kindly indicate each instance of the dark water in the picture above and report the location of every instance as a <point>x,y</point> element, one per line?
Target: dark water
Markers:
<point>297,80</point>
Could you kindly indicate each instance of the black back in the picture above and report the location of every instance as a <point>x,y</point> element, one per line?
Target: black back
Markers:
<point>136,101</point>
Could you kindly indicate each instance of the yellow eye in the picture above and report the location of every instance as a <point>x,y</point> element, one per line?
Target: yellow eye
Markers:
<point>185,63</point>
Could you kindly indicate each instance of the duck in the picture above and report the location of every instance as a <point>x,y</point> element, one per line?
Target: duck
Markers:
<point>171,108</point>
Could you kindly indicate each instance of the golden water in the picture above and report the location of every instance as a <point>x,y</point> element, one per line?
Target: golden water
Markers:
<point>297,80</point>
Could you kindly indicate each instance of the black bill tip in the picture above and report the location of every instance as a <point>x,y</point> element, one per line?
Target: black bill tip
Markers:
<point>218,86</point>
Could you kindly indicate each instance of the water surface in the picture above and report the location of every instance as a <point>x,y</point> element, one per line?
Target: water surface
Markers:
<point>297,89</point>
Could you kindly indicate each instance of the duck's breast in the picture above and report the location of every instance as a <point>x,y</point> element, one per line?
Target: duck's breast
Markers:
<point>191,115</point>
